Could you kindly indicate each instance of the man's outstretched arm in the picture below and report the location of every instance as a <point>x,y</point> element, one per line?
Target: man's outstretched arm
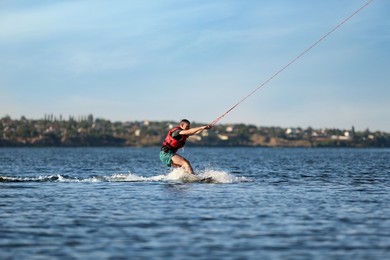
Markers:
<point>195,130</point>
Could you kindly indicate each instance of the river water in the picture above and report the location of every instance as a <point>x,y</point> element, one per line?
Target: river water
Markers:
<point>122,203</point>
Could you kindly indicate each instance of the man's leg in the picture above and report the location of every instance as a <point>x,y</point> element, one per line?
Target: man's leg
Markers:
<point>180,161</point>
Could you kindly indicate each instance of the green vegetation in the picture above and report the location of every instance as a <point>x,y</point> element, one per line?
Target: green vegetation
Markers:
<point>88,131</point>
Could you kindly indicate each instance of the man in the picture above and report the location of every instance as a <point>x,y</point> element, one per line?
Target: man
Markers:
<point>176,139</point>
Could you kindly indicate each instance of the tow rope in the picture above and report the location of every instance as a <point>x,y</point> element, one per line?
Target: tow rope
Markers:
<point>291,62</point>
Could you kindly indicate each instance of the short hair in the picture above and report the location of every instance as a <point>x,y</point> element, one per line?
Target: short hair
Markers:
<point>185,121</point>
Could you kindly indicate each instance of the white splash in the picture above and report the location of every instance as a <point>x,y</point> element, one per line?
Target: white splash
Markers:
<point>222,176</point>
<point>216,176</point>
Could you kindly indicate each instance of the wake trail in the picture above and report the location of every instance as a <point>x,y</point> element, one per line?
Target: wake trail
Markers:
<point>175,176</point>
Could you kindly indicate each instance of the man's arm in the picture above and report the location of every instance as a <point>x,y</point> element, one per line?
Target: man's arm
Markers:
<point>195,130</point>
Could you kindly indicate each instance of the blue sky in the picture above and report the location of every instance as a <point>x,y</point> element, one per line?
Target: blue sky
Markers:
<point>167,60</point>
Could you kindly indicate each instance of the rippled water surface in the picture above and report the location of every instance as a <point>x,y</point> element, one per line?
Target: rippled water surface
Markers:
<point>109,203</point>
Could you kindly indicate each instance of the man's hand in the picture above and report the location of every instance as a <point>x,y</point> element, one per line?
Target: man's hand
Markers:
<point>207,127</point>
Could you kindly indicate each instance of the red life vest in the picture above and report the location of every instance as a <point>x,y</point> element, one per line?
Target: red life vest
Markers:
<point>172,143</point>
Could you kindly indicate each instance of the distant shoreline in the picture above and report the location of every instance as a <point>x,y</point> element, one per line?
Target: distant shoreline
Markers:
<point>90,132</point>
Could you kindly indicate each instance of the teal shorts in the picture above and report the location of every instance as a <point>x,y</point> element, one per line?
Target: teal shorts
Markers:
<point>166,157</point>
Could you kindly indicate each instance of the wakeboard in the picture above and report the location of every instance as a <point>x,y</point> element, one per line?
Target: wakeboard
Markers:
<point>206,179</point>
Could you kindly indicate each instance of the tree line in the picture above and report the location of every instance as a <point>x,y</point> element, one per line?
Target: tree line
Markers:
<point>90,131</point>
